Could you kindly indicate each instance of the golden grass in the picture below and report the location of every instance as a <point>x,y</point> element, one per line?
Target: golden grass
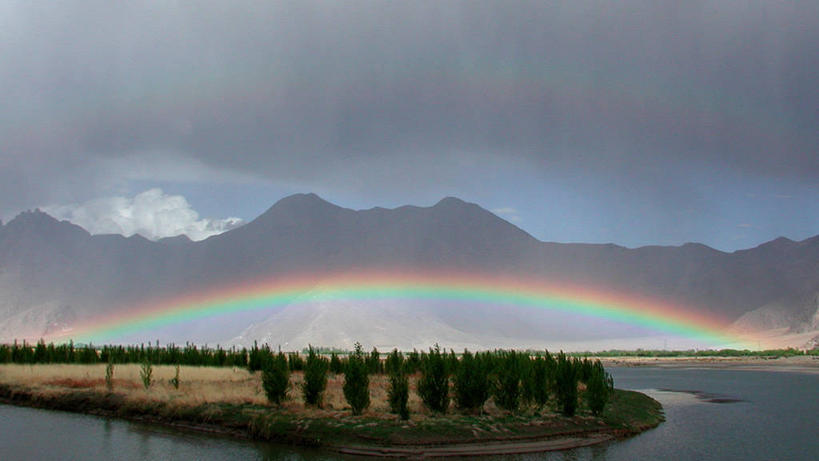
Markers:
<point>200,385</point>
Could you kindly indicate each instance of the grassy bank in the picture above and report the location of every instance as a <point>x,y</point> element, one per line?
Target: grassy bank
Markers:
<point>231,401</point>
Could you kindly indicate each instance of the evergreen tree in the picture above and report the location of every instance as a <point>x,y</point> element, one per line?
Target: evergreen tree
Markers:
<point>471,382</point>
<point>507,381</point>
<point>374,362</point>
<point>336,366</point>
<point>315,378</point>
<point>598,388</point>
<point>566,384</point>
<point>276,378</point>
<point>433,386</point>
<point>357,381</point>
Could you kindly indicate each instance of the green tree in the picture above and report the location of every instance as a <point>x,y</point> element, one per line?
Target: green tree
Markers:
<point>398,392</point>
<point>357,381</point>
<point>315,378</point>
<point>598,388</point>
<point>276,378</point>
<point>507,381</point>
<point>374,362</point>
<point>433,386</point>
<point>471,382</point>
<point>566,384</point>
<point>336,366</point>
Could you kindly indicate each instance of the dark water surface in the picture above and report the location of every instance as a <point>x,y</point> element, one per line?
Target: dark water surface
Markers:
<point>763,416</point>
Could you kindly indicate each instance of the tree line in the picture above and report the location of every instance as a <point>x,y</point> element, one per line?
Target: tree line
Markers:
<point>515,380</point>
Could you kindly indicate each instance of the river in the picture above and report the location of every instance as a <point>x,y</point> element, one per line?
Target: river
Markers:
<point>764,415</point>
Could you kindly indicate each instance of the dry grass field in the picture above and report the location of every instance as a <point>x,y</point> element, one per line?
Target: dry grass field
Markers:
<point>201,385</point>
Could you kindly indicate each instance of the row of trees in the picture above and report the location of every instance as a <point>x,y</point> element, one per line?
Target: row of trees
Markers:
<point>190,354</point>
<point>513,379</point>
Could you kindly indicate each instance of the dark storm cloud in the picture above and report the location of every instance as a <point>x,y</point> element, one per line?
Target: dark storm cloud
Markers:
<point>634,94</point>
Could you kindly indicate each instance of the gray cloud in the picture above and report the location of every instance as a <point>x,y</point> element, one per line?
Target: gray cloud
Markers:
<point>373,96</point>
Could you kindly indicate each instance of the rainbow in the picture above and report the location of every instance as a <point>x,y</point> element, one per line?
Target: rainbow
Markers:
<point>503,292</point>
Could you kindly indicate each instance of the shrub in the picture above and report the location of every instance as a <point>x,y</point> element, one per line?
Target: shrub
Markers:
<point>295,361</point>
<point>276,378</point>
<point>175,380</point>
<point>357,381</point>
<point>315,378</point>
<point>433,386</point>
<point>507,381</point>
<point>566,384</point>
<point>109,376</point>
<point>146,372</point>
<point>471,382</point>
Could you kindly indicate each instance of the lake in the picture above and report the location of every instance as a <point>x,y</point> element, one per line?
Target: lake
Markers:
<point>765,415</point>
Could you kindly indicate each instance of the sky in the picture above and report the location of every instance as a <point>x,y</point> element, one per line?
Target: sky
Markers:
<point>632,122</point>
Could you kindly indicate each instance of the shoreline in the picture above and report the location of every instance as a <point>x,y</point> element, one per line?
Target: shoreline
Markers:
<point>797,364</point>
<point>248,422</point>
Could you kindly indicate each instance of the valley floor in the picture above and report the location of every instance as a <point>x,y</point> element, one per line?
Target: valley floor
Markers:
<point>231,401</point>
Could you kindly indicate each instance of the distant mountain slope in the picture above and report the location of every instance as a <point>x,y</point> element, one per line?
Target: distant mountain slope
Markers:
<point>54,274</point>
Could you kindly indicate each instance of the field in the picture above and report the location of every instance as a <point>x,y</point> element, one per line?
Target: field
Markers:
<point>231,401</point>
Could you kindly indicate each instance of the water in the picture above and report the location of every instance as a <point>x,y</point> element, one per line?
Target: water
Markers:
<point>776,417</point>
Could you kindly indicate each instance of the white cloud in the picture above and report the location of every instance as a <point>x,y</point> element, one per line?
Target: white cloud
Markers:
<point>507,213</point>
<point>152,214</point>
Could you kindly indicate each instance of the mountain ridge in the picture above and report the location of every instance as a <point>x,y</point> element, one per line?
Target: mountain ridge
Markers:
<point>52,269</point>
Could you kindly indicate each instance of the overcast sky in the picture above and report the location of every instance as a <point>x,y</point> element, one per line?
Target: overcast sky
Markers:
<point>633,122</point>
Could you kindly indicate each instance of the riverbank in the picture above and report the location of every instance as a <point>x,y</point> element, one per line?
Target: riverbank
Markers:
<point>804,364</point>
<point>230,401</point>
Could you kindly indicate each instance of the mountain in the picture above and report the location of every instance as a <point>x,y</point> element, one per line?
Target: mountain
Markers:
<point>54,275</point>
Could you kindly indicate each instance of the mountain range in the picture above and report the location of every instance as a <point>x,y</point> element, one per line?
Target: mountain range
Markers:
<point>54,274</point>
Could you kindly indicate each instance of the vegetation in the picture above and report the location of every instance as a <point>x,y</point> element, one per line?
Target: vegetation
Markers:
<point>109,376</point>
<point>175,380</point>
<point>599,386</point>
<point>566,384</point>
<point>398,391</point>
<point>507,379</point>
<point>357,382</point>
<point>433,386</point>
<point>315,378</point>
<point>471,381</point>
<point>145,373</point>
<point>276,379</point>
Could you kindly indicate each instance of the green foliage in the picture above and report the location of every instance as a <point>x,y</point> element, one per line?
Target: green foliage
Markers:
<point>296,362</point>
<point>336,365</point>
<point>395,362</point>
<point>357,381</point>
<point>175,380</point>
<point>540,380</point>
<point>315,378</point>
<point>433,386</point>
<point>276,379</point>
<point>566,384</point>
<point>374,362</point>
<point>507,380</point>
<point>398,392</point>
<point>146,371</point>
<point>599,387</point>
<point>471,381</point>
<point>109,376</point>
